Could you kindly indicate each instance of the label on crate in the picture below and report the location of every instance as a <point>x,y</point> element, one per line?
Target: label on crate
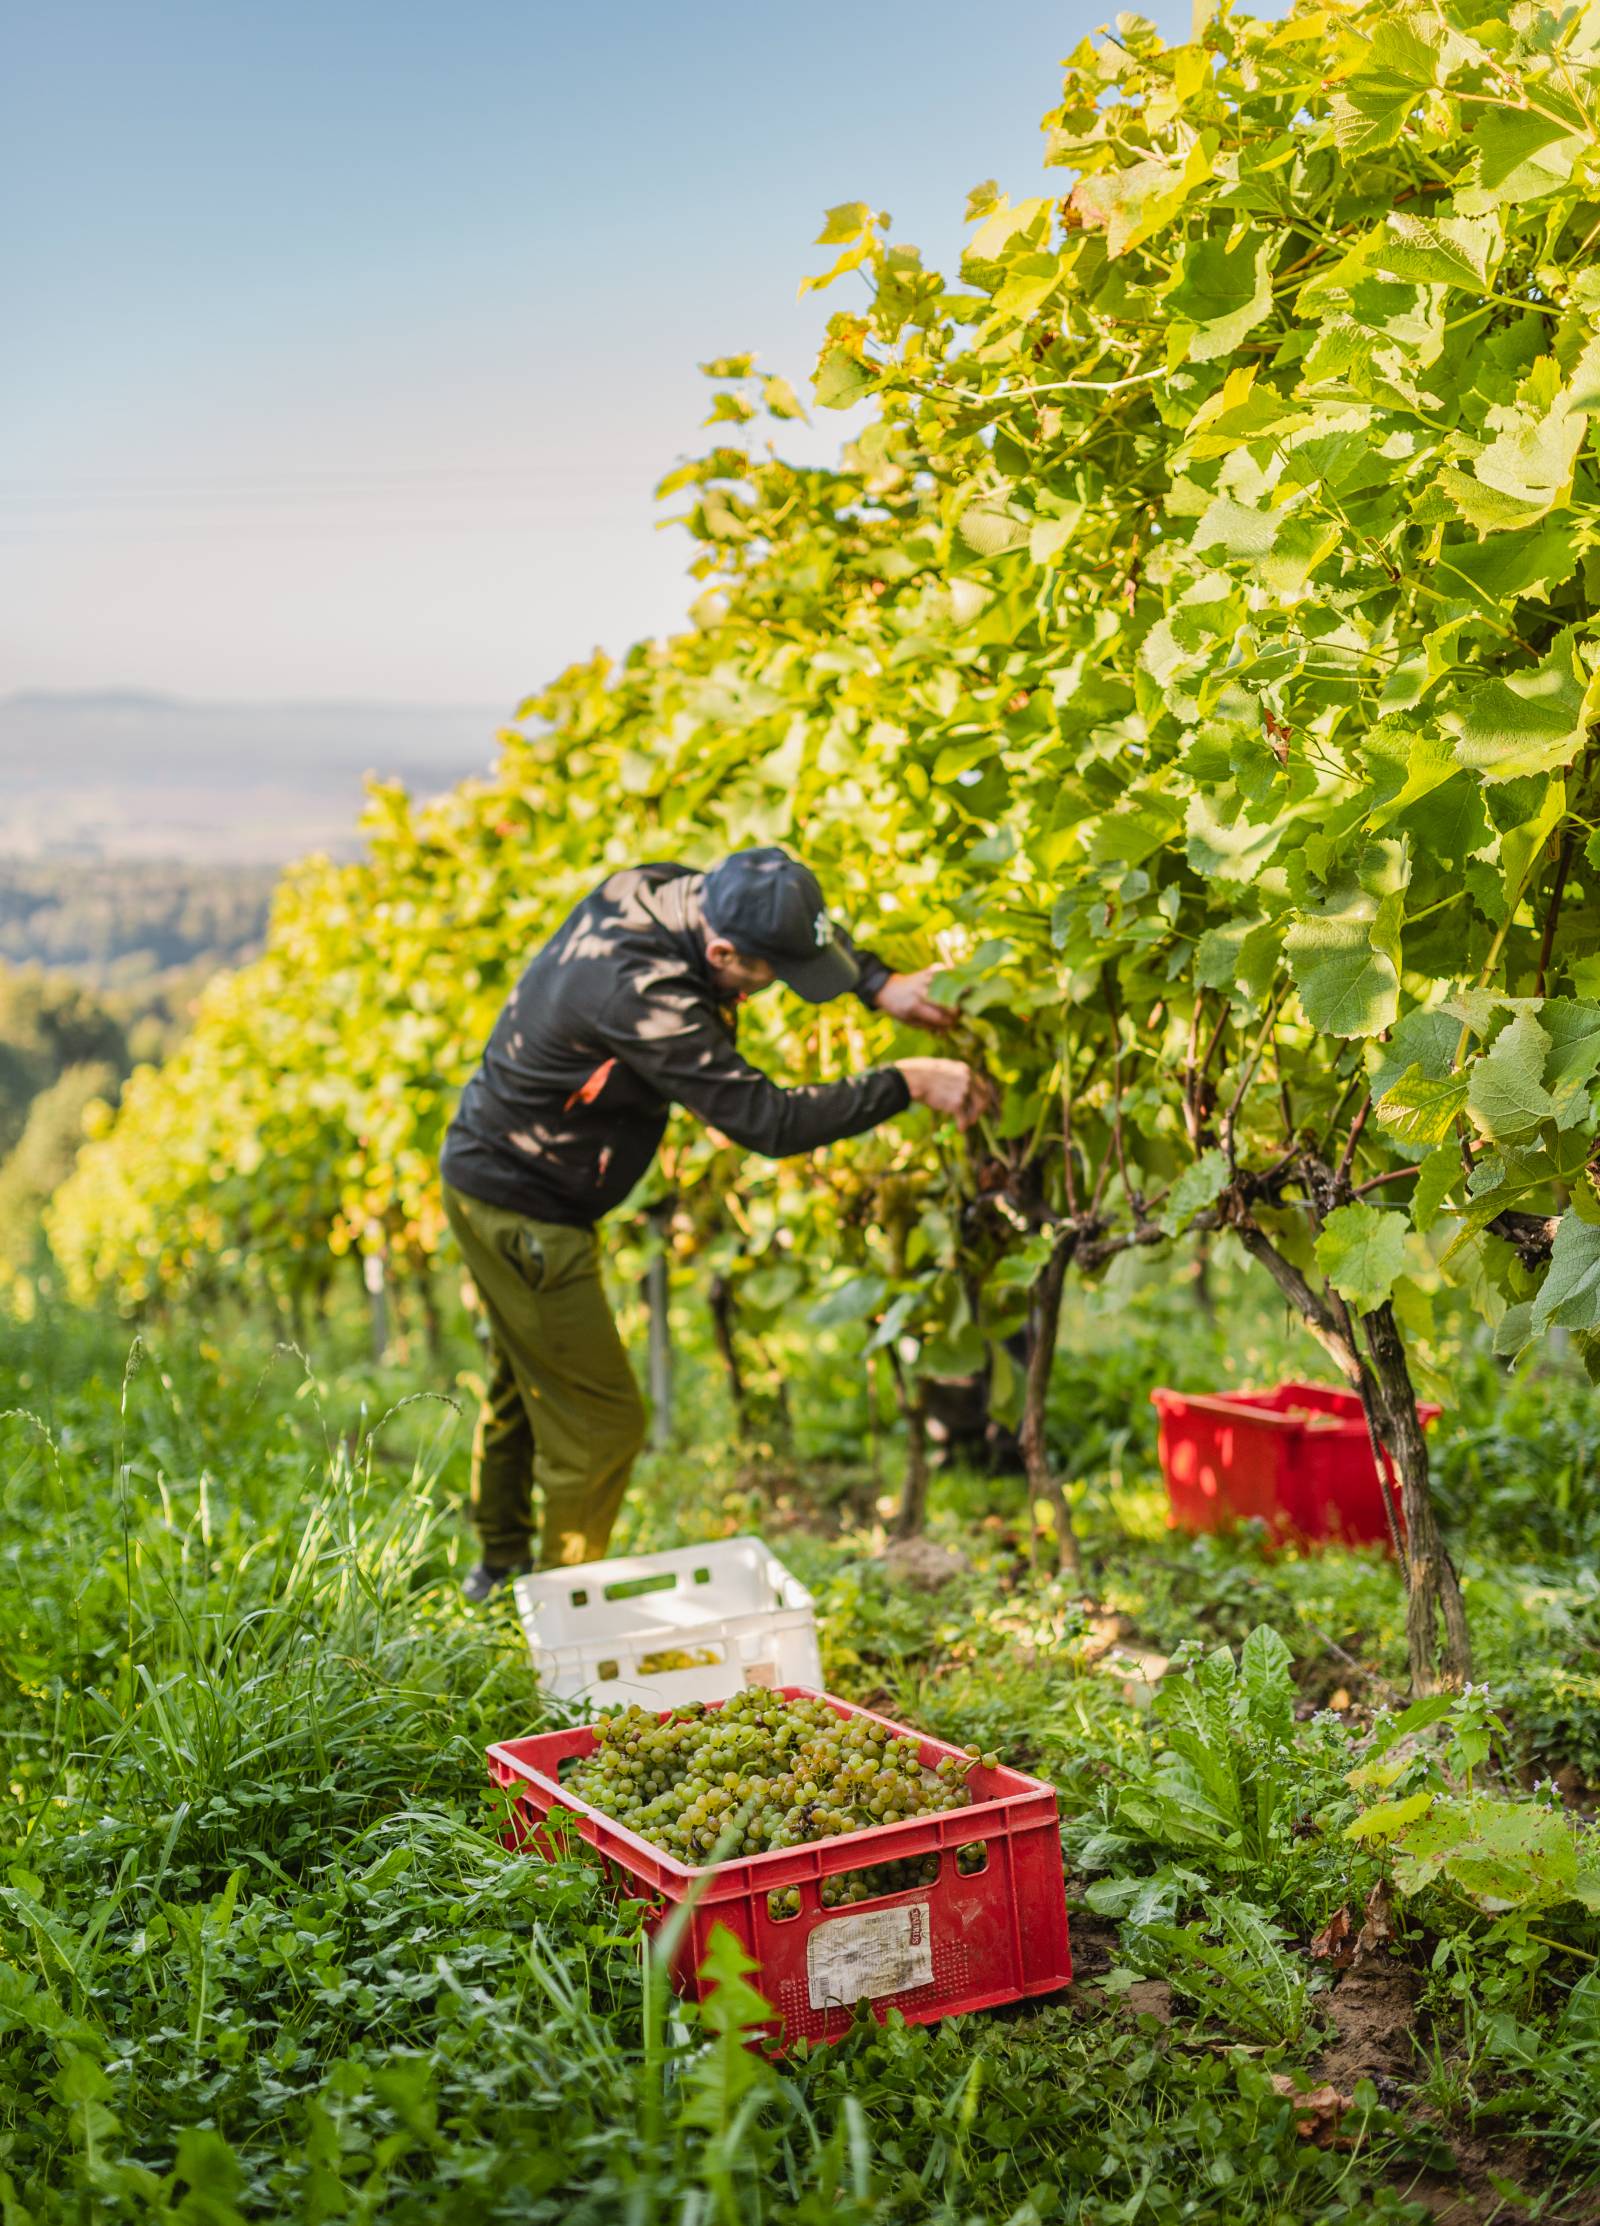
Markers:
<point>760,1673</point>
<point>880,1951</point>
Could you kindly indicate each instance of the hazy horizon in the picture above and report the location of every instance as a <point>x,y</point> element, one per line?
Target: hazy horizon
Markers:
<point>133,774</point>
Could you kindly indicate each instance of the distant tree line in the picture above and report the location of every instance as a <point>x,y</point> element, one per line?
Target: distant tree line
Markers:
<point>128,925</point>
<point>105,962</point>
<point>61,1050</point>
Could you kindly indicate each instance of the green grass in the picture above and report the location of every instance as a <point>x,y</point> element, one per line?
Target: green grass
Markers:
<point>262,1956</point>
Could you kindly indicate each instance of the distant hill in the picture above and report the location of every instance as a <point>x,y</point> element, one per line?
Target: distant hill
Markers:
<point>118,774</point>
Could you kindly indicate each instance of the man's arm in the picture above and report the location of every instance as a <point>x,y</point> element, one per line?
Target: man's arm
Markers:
<point>685,1056</point>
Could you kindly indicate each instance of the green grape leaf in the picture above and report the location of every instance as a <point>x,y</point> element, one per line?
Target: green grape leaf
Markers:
<point>1569,1296</point>
<point>1218,953</point>
<point>1506,1096</point>
<point>1372,104</point>
<point>1448,825</point>
<point>1496,570</point>
<point>1199,1186</point>
<point>1361,1250</point>
<point>1006,1387</point>
<point>1345,969</point>
<point>1437,1176</point>
<point>1228,850</point>
<point>1532,455</point>
<point>855,1300</point>
<point>1437,251</point>
<point>1488,509</point>
<point>957,1353</point>
<point>989,526</point>
<point>1530,722</point>
<point>1133,203</point>
<point>1223,290</point>
<point>1573,1026</point>
<point>1236,528</point>
<point>841,379</point>
<point>844,222</point>
<point>1421,1110</point>
<point>1430,763</point>
<point>1425,1039</point>
<point>1520,156</point>
<point>1513,1330</point>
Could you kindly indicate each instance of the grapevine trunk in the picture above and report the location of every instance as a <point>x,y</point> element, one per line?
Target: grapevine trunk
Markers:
<point>1436,1623</point>
<point>1043,1483</point>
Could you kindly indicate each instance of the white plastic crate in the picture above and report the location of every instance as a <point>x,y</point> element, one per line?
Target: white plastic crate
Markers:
<point>608,1632</point>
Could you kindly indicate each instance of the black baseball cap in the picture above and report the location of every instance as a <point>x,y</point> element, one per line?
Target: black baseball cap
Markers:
<point>770,906</point>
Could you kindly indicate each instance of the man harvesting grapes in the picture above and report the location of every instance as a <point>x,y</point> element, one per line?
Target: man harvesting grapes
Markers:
<point>629,1009</point>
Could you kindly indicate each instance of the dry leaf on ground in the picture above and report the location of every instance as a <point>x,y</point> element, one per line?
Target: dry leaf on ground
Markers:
<point>1333,1943</point>
<point>1377,1931</point>
<point>1317,2110</point>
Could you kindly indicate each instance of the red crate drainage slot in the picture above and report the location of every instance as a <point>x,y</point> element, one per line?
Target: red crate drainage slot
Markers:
<point>1297,1459</point>
<point>967,1941</point>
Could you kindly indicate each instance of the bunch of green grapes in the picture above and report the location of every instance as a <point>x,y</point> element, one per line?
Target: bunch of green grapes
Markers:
<point>762,1772</point>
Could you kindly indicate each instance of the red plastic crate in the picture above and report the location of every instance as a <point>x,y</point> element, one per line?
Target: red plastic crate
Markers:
<point>962,1942</point>
<point>1297,1459</point>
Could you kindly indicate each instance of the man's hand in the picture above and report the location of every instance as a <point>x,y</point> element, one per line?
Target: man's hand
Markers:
<point>947,1086</point>
<point>905,997</point>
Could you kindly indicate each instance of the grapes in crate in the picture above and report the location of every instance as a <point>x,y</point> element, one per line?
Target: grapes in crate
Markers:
<point>762,1772</point>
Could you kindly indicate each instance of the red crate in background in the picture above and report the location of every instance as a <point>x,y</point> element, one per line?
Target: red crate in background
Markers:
<point>1297,1459</point>
<point>965,1941</point>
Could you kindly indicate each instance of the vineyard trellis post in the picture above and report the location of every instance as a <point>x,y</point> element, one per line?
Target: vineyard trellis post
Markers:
<point>658,1312</point>
<point>375,1283</point>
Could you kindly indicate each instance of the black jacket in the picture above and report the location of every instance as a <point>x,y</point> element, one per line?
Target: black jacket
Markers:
<point>613,1021</point>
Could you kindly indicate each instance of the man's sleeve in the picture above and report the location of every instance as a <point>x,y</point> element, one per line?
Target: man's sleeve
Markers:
<point>873,971</point>
<point>685,1056</point>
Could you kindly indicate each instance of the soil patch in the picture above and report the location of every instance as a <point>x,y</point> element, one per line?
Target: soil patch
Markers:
<point>1372,2011</point>
<point>1337,1680</point>
<point>1469,2197</point>
<point>1149,1998</point>
<point>923,1564</point>
<point>1094,1946</point>
<point>1095,1942</point>
<point>827,1502</point>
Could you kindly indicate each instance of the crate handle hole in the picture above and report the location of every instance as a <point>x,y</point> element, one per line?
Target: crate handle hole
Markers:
<point>972,1858</point>
<point>783,1906</point>
<point>913,1874</point>
<point>702,1576</point>
<point>606,1670</point>
<point>580,1597</point>
<point>629,1588</point>
<point>679,1658</point>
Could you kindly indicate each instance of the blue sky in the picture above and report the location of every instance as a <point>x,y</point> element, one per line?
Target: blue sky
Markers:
<point>346,342</point>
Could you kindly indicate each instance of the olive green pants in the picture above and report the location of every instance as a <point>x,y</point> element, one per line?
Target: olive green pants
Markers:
<point>562,1408</point>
